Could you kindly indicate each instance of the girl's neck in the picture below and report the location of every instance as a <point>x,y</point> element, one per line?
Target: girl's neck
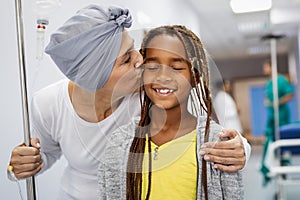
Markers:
<point>92,106</point>
<point>167,125</point>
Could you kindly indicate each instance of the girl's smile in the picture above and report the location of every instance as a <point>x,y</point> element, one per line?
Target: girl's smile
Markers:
<point>164,91</point>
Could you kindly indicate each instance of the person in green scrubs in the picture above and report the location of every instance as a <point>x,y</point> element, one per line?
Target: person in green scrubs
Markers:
<point>285,94</point>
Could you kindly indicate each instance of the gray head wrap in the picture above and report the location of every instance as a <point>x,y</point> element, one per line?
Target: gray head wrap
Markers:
<point>86,46</point>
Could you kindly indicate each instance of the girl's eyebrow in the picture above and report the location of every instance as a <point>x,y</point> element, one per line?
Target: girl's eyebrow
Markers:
<point>179,60</point>
<point>150,59</point>
<point>173,59</point>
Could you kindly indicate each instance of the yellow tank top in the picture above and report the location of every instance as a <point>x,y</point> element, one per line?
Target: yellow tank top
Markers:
<point>174,169</point>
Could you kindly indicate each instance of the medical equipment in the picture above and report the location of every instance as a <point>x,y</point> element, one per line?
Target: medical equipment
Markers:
<point>43,14</point>
<point>282,168</point>
<point>30,182</point>
<point>280,172</point>
<point>273,45</point>
<point>44,8</point>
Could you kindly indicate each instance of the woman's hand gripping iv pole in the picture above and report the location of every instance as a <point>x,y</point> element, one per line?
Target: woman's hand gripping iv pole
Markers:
<point>24,162</point>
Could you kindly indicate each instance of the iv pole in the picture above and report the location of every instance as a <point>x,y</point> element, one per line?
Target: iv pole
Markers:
<point>275,87</point>
<point>30,182</point>
<point>273,38</point>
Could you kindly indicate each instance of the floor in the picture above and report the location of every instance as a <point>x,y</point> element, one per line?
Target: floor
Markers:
<point>254,189</point>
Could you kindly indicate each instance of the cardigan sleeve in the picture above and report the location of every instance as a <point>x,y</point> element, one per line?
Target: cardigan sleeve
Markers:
<point>232,185</point>
<point>220,185</point>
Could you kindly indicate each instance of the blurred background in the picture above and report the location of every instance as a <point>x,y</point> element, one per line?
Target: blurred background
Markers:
<point>233,39</point>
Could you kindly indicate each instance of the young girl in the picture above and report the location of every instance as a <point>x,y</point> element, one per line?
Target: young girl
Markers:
<point>159,158</point>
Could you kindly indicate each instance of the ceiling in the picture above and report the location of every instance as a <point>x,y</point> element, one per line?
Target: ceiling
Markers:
<point>228,35</point>
<point>225,34</point>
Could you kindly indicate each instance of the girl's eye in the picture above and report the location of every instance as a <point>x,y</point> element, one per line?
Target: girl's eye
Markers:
<point>178,68</point>
<point>151,67</point>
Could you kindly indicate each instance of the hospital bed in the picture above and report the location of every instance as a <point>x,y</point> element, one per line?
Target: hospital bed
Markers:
<point>287,145</point>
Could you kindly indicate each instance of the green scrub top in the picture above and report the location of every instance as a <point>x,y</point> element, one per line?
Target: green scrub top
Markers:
<point>284,88</point>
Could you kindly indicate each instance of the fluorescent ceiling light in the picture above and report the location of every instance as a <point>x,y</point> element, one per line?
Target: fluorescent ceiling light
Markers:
<point>258,50</point>
<point>244,6</point>
<point>253,26</point>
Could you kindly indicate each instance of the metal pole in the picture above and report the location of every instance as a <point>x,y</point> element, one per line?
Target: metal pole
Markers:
<point>275,101</point>
<point>30,182</point>
<point>275,88</point>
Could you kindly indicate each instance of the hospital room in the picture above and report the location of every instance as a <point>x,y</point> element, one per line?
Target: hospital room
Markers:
<point>83,81</point>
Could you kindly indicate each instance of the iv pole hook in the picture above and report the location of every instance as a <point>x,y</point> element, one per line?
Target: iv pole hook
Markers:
<point>30,182</point>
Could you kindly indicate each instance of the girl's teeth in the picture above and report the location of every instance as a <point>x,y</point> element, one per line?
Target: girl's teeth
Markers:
<point>164,91</point>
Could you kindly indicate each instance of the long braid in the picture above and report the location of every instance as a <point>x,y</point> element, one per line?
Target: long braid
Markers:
<point>135,159</point>
<point>197,51</point>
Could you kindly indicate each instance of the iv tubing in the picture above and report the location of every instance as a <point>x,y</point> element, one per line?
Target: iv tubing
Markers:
<point>30,182</point>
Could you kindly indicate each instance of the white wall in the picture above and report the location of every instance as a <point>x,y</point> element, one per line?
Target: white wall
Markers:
<point>297,57</point>
<point>44,73</point>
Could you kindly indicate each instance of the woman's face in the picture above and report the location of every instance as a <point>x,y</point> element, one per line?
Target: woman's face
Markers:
<point>167,77</point>
<point>125,77</point>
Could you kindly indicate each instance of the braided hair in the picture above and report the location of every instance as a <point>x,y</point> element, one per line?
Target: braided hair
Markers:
<point>195,53</point>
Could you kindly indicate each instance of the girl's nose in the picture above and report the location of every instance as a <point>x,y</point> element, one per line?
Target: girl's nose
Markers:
<point>164,74</point>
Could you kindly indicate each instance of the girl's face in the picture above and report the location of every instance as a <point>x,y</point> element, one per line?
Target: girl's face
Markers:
<point>167,77</point>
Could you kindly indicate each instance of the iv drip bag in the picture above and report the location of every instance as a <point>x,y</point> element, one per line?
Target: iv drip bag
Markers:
<point>44,8</point>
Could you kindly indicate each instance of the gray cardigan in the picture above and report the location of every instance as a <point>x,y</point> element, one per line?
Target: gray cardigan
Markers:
<point>112,168</point>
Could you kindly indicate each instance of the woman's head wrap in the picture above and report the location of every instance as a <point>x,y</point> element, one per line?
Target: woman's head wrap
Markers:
<point>86,46</point>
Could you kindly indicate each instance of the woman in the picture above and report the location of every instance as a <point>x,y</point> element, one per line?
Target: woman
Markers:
<point>75,117</point>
